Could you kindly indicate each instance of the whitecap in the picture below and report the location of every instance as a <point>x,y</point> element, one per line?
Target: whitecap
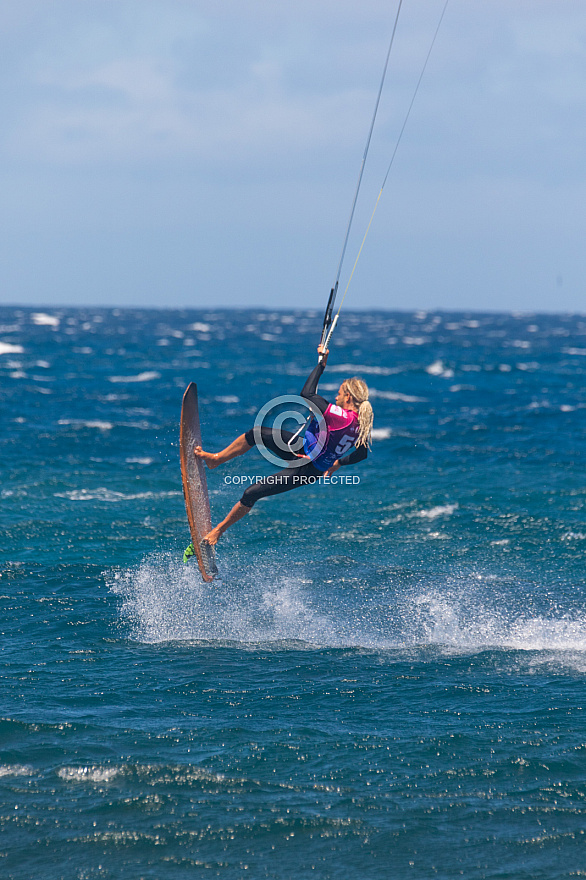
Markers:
<point>434,512</point>
<point>364,368</point>
<point>43,320</point>
<point>9,348</point>
<point>381,433</point>
<point>15,770</point>
<point>439,369</point>
<point>80,423</point>
<point>395,395</point>
<point>228,398</point>
<point>88,774</point>
<point>147,376</point>
<point>108,495</point>
<point>199,327</point>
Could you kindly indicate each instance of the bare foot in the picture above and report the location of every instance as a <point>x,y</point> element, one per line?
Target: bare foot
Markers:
<point>213,537</point>
<point>210,458</point>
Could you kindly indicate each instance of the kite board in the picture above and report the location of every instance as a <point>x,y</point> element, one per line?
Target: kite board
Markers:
<point>195,487</point>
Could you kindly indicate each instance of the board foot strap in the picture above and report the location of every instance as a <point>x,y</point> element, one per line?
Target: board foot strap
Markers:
<point>208,556</point>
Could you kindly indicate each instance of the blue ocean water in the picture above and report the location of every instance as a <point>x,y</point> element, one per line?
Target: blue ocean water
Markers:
<point>387,681</point>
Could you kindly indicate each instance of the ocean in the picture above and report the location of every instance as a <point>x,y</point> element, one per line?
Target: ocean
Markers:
<point>388,678</point>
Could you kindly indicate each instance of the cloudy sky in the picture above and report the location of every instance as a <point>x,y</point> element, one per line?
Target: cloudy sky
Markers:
<point>195,152</point>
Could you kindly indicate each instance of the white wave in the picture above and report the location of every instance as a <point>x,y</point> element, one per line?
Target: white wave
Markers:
<point>43,320</point>
<point>15,770</point>
<point>396,395</point>
<point>434,512</point>
<point>363,368</point>
<point>472,621</point>
<point>574,351</point>
<point>88,774</point>
<point>199,327</point>
<point>415,340</point>
<point>80,423</point>
<point>438,368</point>
<point>381,433</point>
<point>139,460</point>
<point>147,376</point>
<point>107,495</point>
<point>10,348</point>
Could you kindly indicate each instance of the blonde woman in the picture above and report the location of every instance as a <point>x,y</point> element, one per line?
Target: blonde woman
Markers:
<point>348,424</point>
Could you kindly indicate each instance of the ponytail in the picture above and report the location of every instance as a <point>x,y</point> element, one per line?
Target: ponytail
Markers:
<point>365,420</point>
<point>358,391</point>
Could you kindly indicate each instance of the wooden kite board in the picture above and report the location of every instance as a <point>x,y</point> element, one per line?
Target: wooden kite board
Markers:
<point>195,487</point>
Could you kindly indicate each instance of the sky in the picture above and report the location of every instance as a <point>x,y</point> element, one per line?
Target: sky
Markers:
<point>197,153</point>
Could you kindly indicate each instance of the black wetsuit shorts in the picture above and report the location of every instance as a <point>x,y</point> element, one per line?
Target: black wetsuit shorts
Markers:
<point>285,480</point>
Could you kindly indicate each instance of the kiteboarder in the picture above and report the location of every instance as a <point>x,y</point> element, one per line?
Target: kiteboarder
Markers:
<point>329,437</point>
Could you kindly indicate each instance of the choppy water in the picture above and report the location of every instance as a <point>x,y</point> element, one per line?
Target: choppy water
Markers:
<point>388,680</point>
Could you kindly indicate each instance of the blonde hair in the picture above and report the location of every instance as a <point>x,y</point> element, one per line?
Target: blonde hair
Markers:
<point>358,391</point>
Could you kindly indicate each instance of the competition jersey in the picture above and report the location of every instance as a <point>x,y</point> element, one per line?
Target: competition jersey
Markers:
<point>342,432</point>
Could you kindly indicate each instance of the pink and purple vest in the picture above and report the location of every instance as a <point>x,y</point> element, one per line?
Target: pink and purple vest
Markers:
<point>342,432</point>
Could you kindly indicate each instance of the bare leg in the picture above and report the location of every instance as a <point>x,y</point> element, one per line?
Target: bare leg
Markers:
<point>238,512</point>
<point>213,459</point>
